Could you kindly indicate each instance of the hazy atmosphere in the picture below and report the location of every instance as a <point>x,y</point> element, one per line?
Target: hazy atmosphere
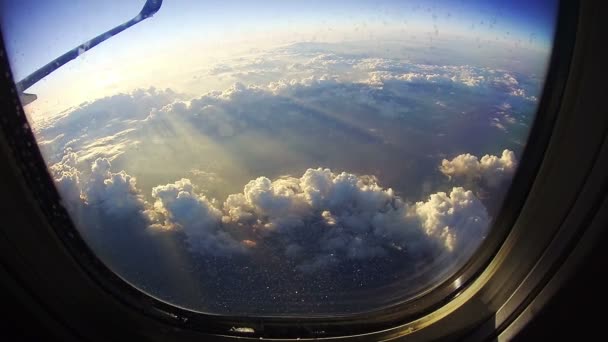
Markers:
<point>272,157</point>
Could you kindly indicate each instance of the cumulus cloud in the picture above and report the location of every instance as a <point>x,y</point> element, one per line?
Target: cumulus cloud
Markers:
<point>317,220</point>
<point>178,205</point>
<point>450,217</point>
<point>323,218</point>
<point>67,179</point>
<point>114,197</point>
<point>115,192</point>
<point>490,170</point>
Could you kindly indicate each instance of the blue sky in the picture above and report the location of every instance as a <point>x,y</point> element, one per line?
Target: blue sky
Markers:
<point>38,31</point>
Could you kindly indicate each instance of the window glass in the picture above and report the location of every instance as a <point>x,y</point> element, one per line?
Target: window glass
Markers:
<point>282,157</point>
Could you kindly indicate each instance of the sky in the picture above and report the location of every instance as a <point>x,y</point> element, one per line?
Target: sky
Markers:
<point>187,33</point>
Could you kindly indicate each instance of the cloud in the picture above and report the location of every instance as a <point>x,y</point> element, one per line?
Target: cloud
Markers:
<point>295,63</point>
<point>115,192</point>
<point>457,218</point>
<point>99,194</point>
<point>318,220</point>
<point>505,118</point>
<point>177,205</point>
<point>350,99</point>
<point>490,170</point>
<point>381,64</point>
<point>67,179</point>
<point>495,122</point>
<point>111,200</point>
<point>323,218</point>
<point>467,76</point>
<point>105,127</point>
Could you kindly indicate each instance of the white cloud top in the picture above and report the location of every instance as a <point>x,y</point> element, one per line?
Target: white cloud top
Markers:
<point>178,206</point>
<point>490,170</point>
<point>451,217</point>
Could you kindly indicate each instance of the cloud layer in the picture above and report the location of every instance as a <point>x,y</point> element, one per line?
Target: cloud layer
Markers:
<point>295,87</point>
<point>319,219</point>
<point>225,185</point>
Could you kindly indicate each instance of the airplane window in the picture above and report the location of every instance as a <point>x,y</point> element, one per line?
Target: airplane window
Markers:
<point>272,158</point>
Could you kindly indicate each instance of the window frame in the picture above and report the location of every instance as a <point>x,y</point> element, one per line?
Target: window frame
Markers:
<point>53,244</point>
